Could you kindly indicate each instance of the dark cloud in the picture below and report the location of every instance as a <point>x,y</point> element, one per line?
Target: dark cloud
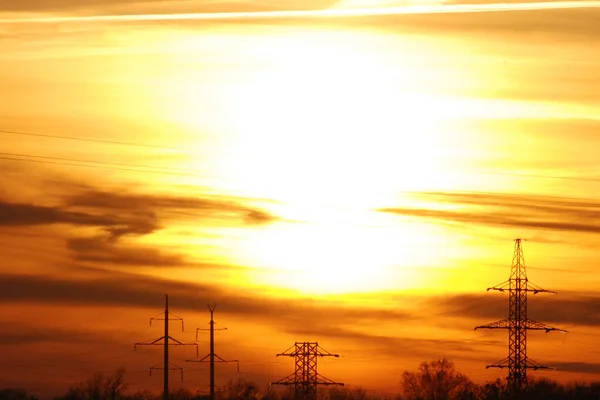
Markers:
<point>381,345</point>
<point>101,249</point>
<point>201,207</point>
<point>120,215</point>
<point>565,309</point>
<point>518,211</point>
<point>133,290</point>
<point>12,214</point>
<point>14,333</point>
<point>105,251</point>
<point>577,367</point>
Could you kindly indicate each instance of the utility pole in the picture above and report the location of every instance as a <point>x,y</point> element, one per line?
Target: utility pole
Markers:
<point>518,324</point>
<point>165,338</point>
<point>305,377</point>
<point>211,356</point>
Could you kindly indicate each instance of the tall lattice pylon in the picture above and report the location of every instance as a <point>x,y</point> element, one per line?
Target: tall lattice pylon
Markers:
<point>305,378</point>
<point>518,324</point>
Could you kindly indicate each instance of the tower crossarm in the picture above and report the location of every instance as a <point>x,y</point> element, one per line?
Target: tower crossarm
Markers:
<point>530,287</point>
<point>535,289</point>
<point>528,324</point>
<point>291,352</point>
<point>504,286</point>
<point>321,380</point>
<point>324,353</point>
<point>500,364</point>
<point>288,380</point>
<point>217,359</point>
<point>534,365</point>
<point>160,342</point>
<point>539,326</point>
<point>502,324</point>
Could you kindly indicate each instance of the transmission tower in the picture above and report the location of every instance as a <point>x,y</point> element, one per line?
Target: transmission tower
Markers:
<point>305,377</point>
<point>212,357</point>
<point>518,324</point>
<point>166,366</point>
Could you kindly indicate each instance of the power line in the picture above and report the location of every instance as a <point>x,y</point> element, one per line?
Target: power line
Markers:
<point>71,164</point>
<point>137,144</point>
<point>537,176</point>
<point>100,162</point>
<point>153,146</point>
<point>151,167</point>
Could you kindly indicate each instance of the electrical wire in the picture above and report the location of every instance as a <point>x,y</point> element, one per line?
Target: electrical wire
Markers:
<point>116,142</point>
<point>162,170</point>
<point>100,167</point>
<point>101,162</point>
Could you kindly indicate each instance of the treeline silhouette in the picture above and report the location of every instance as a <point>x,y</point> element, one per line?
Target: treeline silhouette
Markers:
<point>434,380</point>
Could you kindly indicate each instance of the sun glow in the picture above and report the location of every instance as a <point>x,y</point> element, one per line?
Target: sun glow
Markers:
<point>331,127</point>
<point>337,257</point>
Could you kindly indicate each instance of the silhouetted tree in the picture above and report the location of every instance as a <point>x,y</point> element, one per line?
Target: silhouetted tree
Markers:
<point>238,390</point>
<point>270,394</point>
<point>181,394</point>
<point>15,394</point>
<point>141,395</point>
<point>544,388</point>
<point>492,390</point>
<point>99,387</point>
<point>344,393</point>
<point>437,380</point>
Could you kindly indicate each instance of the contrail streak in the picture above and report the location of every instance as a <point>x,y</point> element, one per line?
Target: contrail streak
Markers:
<point>327,13</point>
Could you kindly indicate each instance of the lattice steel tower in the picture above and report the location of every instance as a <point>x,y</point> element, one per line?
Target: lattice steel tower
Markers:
<point>518,324</point>
<point>305,378</point>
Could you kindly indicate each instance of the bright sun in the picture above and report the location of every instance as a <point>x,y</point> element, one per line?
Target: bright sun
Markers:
<point>336,257</point>
<point>331,128</point>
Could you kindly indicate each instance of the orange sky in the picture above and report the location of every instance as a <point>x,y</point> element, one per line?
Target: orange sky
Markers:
<point>321,171</point>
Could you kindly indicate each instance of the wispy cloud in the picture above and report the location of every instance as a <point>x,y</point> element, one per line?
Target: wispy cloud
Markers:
<point>100,249</point>
<point>17,333</point>
<point>101,6</point>
<point>13,214</point>
<point>577,367</point>
<point>519,211</point>
<point>566,309</point>
<point>111,288</point>
<point>326,13</point>
<point>200,207</point>
<point>123,214</point>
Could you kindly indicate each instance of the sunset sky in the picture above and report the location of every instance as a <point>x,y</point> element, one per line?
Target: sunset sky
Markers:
<point>352,173</point>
